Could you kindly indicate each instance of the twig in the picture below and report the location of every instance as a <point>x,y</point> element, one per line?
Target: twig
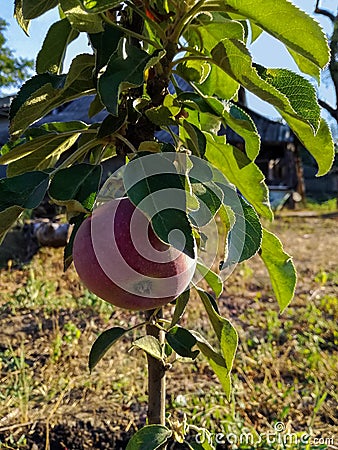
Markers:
<point>324,12</point>
<point>17,425</point>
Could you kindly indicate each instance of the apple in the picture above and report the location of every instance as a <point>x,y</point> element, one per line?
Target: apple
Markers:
<point>119,258</point>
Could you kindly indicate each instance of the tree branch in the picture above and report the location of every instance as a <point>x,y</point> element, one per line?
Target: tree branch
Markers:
<point>332,111</point>
<point>324,12</point>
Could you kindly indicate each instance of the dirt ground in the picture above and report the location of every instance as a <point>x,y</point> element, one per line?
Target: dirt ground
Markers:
<point>48,399</point>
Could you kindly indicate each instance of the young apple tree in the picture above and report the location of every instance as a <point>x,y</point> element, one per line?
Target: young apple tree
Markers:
<point>186,206</point>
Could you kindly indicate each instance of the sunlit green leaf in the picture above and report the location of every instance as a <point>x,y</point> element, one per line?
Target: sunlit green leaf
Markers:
<point>213,280</point>
<point>193,138</point>
<point>43,157</point>
<point>240,171</point>
<point>81,20</point>
<point>287,24</point>
<point>240,122</point>
<point>96,6</point>
<point>320,145</point>
<point>44,92</point>
<point>216,362</point>
<point>300,92</point>
<point>305,65</point>
<point>150,345</point>
<point>18,14</point>
<point>245,236</point>
<point>209,31</point>
<point>220,84</point>
<point>280,267</point>
<point>276,86</point>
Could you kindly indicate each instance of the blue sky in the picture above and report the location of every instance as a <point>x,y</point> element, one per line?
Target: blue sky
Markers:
<point>266,50</point>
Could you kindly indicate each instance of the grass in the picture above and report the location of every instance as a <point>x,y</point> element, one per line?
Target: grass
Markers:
<point>285,369</point>
<point>324,207</point>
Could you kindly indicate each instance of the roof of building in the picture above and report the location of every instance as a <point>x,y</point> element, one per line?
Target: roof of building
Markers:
<point>271,131</point>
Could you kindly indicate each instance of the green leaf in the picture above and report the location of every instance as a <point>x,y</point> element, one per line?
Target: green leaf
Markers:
<point>213,280</point>
<point>182,342</point>
<point>320,145</point>
<point>216,362</point>
<point>97,6</point>
<point>8,217</point>
<point>26,190</point>
<point>150,437</point>
<point>80,19</point>
<point>220,84</point>
<point>240,171</point>
<point>256,31</point>
<point>300,92</point>
<point>181,304</point>
<point>169,225</point>
<point>160,116</point>
<point>112,124</point>
<point>103,343</point>
<point>287,24</point>
<point>240,122</point>
<point>245,236</point>
<point>76,221</point>
<point>43,157</point>
<point>194,138</point>
<point>44,92</point>
<point>51,56</point>
<point>18,15</point>
<point>153,185</point>
<point>150,345</point>
<point>225,332</point>
<point>210,198</point>
<point>280,267</point>
<point>26,148</point>
<point>233,57</point>
<point>194,70</point>
<point>105,44</point>
<point>305,65</point>
<point>125,69</point>
<point>76,187</point>
<point>207,33</point>
<point>35,8</point>
<point>253,231</point>
<point>33,85</point>
<point>229,343</point>
<point>47,136</point>
<point>208,351</point>
<point>18,193</point>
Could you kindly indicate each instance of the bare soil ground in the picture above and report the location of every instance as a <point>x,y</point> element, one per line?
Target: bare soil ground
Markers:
<point>285,369</point>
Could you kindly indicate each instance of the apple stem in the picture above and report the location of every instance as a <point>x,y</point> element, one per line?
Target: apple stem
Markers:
<point>156,376</point>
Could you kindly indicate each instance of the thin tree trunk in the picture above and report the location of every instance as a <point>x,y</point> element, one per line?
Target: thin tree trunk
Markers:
<point>156,379</point>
